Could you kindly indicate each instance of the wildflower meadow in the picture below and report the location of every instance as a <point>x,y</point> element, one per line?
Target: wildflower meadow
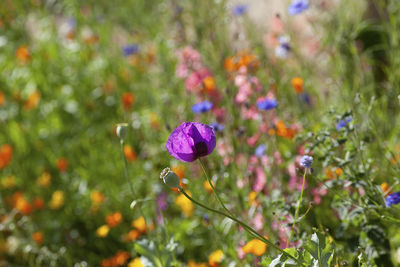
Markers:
<point>220,133</point>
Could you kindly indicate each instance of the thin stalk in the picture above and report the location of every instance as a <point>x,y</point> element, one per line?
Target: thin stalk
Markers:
<point>213,188</point>
<point>127,175</point>
<point>244,225</point>
<point>296,215</point>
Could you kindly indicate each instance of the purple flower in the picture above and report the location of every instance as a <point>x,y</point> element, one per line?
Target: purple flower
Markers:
<point>393,199</point>
<point>260,150</point>
<point>283,49</point>
<point>239,10</point>
<point>297,6</point>
<point>306,161</point>
<point>267,104</point>
<point>162,200</point>
<point>130,49</point>
<point>217,127</point>
<point>343,123</point>
<point>202,107</point>
<point>190,141</point>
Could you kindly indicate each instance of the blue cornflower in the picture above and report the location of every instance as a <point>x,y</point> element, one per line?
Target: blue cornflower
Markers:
<point>393,199</point>
<point>239,10</point>
<point>217,127</point>
<point>260,150</point>
<point>283,49</point>
<point>202,107</point>
<point>306,161</point>
<point>267,104</point>
<point>131,49</point>
<point>343,123</point>
<point>297,6</point>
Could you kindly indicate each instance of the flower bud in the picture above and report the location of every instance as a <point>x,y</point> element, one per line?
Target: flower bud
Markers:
<point>170,178</point>
<point>122,130</point>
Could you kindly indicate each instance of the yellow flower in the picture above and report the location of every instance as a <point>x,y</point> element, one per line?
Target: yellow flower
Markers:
<point>207,186</point>
<point>44,180</point>
<point>215,258</point>
<point>256,247</point>
<point>253,198</point>
<point>135,263</point>
<point>57,200</point>
<point>103,230</point>
<point>8,181</point>
<point>139,224</point>
<point>185,204</point>
<point>194,264</point>
<point>96,197</point>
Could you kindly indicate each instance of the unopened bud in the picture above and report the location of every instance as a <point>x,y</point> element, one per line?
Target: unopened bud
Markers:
<point>170,178</point>
<point>122,130</point>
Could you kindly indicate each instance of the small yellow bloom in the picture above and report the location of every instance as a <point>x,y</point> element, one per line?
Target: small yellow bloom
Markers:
<point>140,224</point>
<point>57,200</point>
<point>207,186</point>
<point>135,263</point>
<point>215,258</point>
<point>96,197</point>
<point>8,181</point>
<point>255,247</point>
<point>185,204</point>
<point>195,264</point>
<point>252,198</point>
<point>44,180</point>
<point>103,230</point>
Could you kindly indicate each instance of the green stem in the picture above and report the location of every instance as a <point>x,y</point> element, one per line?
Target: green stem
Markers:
<point>213,188</point>
<point>244,225</point>
<point>126,169</point>
<point>296,215</point>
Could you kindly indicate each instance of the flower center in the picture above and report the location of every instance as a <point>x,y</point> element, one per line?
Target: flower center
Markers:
<point>201,149</point>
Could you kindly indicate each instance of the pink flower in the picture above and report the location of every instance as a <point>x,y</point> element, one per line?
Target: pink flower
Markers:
<point>258,221</point>
<point>261,180</point>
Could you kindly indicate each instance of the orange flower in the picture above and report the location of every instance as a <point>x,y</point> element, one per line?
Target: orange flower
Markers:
<point>38,237</point>
<point>38,203</point>
<point>255,247</point>
<point>215,258</point>
<point>6,152</point>
<point>154,120</point>
<point>2,98</point>
<point>129,153</point>
<point>207,186</point>
<point>195,264</point>
<point>23,55</point>
<point>132,235</point>
<point>32,101</point>
<point>185,204</point>
<point>253,198</point>
<point>283,131</point>
<point>120,258</point>
<point>127,100</point>
<point>62,164</point>
<point>386,189</point>
<point>21,204</point>
<point>114,219</point>
<point>209,83</point>
<point>140,224</point>
<point>297,84</point>
<point>230,64</point>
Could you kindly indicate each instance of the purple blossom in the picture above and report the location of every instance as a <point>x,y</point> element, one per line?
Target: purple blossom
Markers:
<point>162,200</point>
<point>202,107</point>
<point>217,127</point>
<point>239,10</point>
<point>267,104</point>
<point>343,123</point>
<point>393,199</point>
<point>260,150</point>
<point>283,49</point>
<point>190,141</point>
<point>131,49</point>
<point>297,6</point>
<point>306,161</point>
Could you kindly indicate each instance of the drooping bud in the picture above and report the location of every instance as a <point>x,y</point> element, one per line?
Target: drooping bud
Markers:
<point>170,178</point>
<point>122,130</point>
